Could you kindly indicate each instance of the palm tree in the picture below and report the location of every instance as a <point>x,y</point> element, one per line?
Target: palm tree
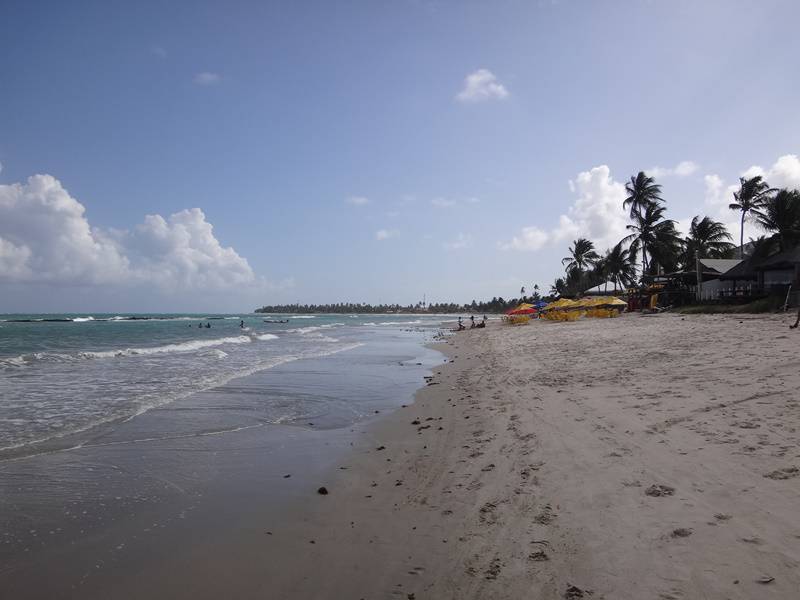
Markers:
<point>643,191</point>
<point>651,230</point>
<point>707,239</point>
<point>620,265</point>
<point>749,199</point>
<point>558,287</point>
<point>582,254</point>
<point>781,214</point>
<point>762,247</point>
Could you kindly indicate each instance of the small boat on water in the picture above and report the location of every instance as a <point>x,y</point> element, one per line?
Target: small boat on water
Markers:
<point>274,321</point>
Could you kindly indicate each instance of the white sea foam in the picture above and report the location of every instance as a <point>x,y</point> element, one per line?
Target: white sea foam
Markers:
<point>302,317</point>
<point>82,319</point>
<point>266,336</point>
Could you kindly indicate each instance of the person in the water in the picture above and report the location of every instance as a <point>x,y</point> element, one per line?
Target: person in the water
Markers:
<point>241,323</point>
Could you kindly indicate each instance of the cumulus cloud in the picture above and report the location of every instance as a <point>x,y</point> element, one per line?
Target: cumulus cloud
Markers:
<point>784,173</point>
<point>45,237</point>
<point>480,86</point>
<point>463,240</point>
<point>682,169</point>
<point>385,234</point>
<point>207,78</point>
<point>596,214</point>
<point>356,200</point>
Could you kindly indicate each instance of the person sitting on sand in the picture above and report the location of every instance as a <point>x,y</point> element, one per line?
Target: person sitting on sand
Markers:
<point>460,325</point>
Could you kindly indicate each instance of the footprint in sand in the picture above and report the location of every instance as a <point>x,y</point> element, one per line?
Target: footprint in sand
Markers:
<point>495,567</point>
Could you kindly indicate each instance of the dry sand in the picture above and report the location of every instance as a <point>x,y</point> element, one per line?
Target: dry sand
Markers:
<point>640,457</point>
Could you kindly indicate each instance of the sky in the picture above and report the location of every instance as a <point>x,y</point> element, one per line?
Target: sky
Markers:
<point>210,156</point>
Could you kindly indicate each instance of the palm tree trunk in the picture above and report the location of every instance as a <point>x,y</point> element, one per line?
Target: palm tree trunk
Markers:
<point>741,239</point>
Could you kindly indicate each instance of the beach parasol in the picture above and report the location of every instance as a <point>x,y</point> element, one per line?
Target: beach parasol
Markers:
<point>522,309</point>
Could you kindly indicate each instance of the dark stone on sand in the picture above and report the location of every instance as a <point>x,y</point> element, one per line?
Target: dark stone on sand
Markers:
<point>681,532</point>
<point>657,490</point>
<point>573,592</point>
<point>415,422</point>
<point>323,491</point>
<point>381,448</point>
<point>287,476</point>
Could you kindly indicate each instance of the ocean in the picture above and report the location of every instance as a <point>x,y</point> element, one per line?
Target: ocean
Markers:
<point>66,378</point>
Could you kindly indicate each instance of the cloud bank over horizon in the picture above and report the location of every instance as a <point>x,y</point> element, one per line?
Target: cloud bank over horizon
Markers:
<point>46,238</point>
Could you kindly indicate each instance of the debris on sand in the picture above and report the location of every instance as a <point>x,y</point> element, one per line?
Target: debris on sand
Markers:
<point>538,556</point>
<point>765,580</point>
<point>573,592</point>
<point>682,532</point>
<point>786,473</point>
<point>657,490</point>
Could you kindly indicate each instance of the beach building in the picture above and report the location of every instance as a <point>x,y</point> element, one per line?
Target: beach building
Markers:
<point>774,274</point>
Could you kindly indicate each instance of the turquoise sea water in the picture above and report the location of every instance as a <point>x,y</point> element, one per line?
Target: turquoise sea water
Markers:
<point>62,376</point>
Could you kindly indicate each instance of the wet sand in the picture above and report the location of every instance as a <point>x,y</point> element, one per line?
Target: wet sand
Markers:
<point>630,458</point>
<point>176,502</point>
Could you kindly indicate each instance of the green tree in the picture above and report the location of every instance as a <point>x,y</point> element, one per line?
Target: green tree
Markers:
<point>581,255</point>
<point>749,200</point>
<point>650,230</point>
<point>619,266</point>
<point>643,192</point>
<point>707,239</point>
<point>780,214</point>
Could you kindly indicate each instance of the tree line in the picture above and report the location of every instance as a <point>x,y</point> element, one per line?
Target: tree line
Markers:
<point>495,305</point>
<point>654,246</point>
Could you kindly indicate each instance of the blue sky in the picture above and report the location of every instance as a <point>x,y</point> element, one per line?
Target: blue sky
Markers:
<point>366,151</point>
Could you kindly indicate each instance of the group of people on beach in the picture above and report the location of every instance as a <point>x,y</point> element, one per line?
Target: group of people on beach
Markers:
<point>473,324</point>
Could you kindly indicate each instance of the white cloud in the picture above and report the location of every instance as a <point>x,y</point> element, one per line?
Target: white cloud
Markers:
<point>357,200</point>
<point>682,169</point>
<point>159,51</point>
<point>785,173</point>
<point>531,238</point>
<point>207,78</point>
<point>45,237</point>
<point>385,234</point>
<point>463,240</point>
<point>480,86</point>
<point>596,214</point>
<point>443,202</point>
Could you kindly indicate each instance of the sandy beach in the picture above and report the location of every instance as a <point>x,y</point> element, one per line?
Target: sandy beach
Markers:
<point>638,457</point>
